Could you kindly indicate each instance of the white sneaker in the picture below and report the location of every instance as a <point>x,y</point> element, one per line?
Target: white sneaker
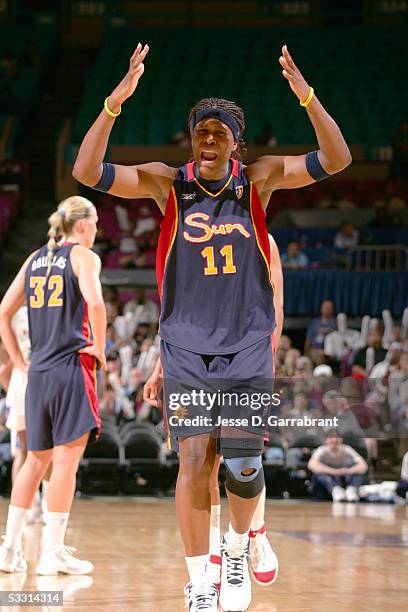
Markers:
<point>213,570</point>
<point>201,597</point>
<point>352,494</point>
<point>263,562</point>
<point>235,593</point>
<point>12,559</point>
<point>61,560</point>
<point>338,494</point>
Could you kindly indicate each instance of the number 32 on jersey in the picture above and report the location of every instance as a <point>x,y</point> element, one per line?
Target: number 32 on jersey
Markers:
<point>55,285</point>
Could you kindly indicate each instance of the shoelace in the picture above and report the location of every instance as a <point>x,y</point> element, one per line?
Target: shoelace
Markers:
<point>67,550</point>
<point>203,594</point>
<point>235,565</point>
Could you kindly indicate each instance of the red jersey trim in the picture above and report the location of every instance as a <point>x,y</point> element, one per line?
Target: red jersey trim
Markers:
<point>261,232</point>
<point>88,367</point>
<point>167,236</point>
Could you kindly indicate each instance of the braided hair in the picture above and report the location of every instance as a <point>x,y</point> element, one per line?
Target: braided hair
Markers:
<point>234,110</point>
<point>62,221</point>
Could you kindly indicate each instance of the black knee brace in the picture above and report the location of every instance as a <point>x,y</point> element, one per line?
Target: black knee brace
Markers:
<point>238,460</point>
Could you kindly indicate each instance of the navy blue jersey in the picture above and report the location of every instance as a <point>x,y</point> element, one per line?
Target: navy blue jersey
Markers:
<point>213,267</point>
<point>57,312</point>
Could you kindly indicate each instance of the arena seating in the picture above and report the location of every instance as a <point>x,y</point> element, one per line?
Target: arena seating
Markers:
<point>357,78</point>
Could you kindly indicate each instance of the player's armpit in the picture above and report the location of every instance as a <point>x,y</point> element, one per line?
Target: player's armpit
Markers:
<point>281,172</point>
<point>152,180</point>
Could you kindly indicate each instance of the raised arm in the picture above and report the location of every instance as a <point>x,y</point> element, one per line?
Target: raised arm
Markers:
<point>290,171</point>
<point>145,180</point>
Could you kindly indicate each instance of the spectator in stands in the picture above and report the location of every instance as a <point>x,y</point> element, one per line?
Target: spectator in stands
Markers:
<point>113,342</point>
<point>402,485</point>
<point>318,329</point>
<point>128,242</point>
<point>365,359</point>
<point>148,311</point>
<point>338,470</point>
<point>294,258</point>
<point>145,222</point>
<point>285,344</point>
<point>102,244</point>
<point>182,139</point>
<point>291,356</point>
<point>346,237</point>
<point>383,218</point>
<point>304,367</point>
<point>266,137</point>
<point>341,341</point>
<point>398,393</point>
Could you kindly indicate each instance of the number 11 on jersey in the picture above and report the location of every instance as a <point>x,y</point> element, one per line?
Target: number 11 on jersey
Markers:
<point>211,269</point>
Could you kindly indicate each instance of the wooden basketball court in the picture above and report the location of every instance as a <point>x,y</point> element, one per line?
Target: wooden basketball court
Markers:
<point>342,558</point>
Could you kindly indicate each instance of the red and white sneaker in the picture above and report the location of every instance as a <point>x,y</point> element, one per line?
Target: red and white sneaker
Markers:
<point>262,560</point>
<point>214,569</point>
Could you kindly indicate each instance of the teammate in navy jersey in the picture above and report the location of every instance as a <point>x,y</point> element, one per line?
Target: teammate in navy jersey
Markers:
<point>217,300</point>
<point>60,283</point>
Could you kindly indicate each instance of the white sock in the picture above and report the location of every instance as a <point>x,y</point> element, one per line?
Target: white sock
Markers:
<point>197,567</point>
<point>215,530</point>
<point>16,520</point>
<point>239,540</point>
<point>54,531</point>
<point>258,520</point>
<point>44,493</point>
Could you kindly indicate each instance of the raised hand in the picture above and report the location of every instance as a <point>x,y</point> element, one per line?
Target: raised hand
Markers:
<point>129,82</point>
<point>292,74</point>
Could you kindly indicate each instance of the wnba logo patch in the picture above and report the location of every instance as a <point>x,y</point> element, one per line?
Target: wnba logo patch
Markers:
<point>239,191</point>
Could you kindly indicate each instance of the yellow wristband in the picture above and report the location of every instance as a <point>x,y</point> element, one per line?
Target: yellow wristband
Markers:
<point>108,110</point>
<point>308,99</point>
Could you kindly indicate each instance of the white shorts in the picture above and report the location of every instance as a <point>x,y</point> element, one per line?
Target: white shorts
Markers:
<point>15,400</point>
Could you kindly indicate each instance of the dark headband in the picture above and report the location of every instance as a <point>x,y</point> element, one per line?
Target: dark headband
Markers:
<point>217,113</point>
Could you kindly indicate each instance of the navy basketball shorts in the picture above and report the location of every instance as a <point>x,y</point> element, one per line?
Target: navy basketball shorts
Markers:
<point>227,396</point>
<point>61,403</point>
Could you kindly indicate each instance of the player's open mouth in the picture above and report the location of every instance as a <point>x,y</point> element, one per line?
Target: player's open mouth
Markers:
<point>208,156</point>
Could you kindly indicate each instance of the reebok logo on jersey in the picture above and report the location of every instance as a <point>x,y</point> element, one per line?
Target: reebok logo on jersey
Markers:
<point>188,196</point>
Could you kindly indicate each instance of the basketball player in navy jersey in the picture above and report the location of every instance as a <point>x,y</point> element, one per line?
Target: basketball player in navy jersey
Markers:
<point>61,286</point>
<point>262,559</point>
<point>217,312</point>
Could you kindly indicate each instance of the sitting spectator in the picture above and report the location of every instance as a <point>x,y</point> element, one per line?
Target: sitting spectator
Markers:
<point>266,137</point>
<point>402,485</point>
<point>148,311</point>
<point>102,244</point>
<point>341,342</point>
<point>318,329</point>
<point>366,357</point>
<point>289,366</point>
<point>346,237</point>
<point>294,258</point>
<point>128,242</point>
<point>145,223</point>
<point>182,139</point>
<point>338,470</point>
